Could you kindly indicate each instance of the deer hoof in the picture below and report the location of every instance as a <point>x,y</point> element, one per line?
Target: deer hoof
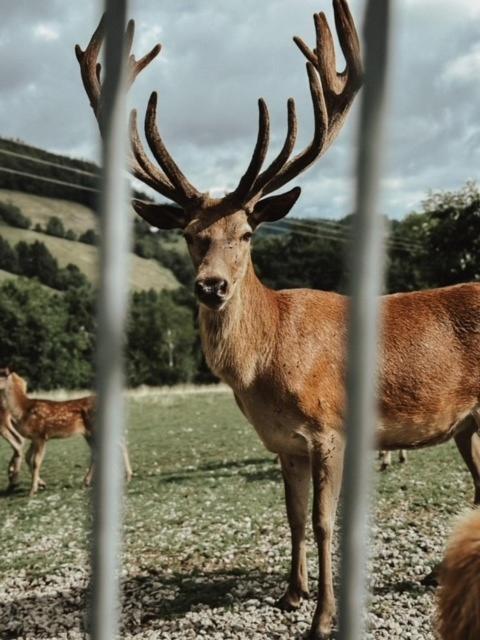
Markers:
<point>291,601</point>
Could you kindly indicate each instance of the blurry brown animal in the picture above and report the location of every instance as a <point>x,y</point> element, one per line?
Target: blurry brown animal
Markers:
<point>41,420</point>
<point>283,352</point>
<point>459,593</point>
<point>15,440</point>
<point>385,458</point>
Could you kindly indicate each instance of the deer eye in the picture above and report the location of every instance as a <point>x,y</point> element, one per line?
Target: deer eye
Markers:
<point>188,238</point>
<point>247,236</point>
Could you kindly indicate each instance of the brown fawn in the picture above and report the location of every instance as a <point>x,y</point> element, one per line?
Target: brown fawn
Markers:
<point>283,352</point>
<point>15,440</point>
<point>41,420</point>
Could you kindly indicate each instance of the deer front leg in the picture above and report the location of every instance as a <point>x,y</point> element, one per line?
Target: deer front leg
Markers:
<point>468,443</point>
<point>296,478</point>
<point>16,442</point>
<point>327,466</point>
<point>37,452</point>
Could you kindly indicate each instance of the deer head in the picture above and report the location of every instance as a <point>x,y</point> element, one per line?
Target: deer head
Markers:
<point>218,230</point>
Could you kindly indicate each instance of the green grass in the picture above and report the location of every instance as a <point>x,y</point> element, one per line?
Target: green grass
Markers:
<point>198,465</point>
<point>145,274</point>
<point>204,513</point>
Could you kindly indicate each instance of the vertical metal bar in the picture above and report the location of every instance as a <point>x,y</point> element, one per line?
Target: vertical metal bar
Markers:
<point>366,282</point>
<point>112,306</point>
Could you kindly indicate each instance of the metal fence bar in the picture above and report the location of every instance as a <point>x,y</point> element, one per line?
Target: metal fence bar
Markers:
<point>367,275</point>
<point>112,307</point>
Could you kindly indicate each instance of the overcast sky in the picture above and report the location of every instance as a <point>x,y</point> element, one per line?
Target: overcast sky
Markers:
<point>219,56</point>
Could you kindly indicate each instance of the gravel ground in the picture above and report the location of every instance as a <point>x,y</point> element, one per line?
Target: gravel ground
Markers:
<point>206,544</point>
<point>227,603</point>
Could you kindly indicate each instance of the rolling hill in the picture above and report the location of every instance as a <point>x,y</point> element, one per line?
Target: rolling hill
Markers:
<point>145,274</point>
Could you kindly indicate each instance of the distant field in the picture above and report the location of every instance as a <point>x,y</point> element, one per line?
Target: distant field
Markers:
<point>206,544</point>
<point>39,209</point>
<point>145,274</point>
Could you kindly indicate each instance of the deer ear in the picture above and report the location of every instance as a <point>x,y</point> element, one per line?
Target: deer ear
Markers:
<point>275,207</point>
<point>162,216</point>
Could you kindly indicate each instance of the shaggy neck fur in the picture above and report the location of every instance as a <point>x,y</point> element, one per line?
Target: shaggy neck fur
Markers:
<point>239,340</point>
<point>16,398</point>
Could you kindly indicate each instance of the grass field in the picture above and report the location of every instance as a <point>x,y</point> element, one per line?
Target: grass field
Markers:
<point>206,543</point>
<point>145,274</point>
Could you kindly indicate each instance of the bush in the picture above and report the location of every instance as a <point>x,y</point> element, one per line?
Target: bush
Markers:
<point>88,237</point>
<point>13,216</point>
<point>55,227</point>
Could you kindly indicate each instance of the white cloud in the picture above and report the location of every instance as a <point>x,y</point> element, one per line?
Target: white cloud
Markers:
<point>46,32</point>
<point>464,68</point>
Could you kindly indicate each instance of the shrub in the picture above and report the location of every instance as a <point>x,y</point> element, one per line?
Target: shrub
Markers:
<point>13,216</point>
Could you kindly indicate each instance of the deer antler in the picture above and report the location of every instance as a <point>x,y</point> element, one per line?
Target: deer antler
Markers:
<point>170,181</point>
<point>332,95</point>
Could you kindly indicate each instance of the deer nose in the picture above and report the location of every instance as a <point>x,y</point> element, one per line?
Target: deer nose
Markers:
<point>211,291</point>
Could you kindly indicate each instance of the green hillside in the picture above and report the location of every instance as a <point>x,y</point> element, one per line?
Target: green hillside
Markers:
<point>39,209</point>
<point>145,274</point>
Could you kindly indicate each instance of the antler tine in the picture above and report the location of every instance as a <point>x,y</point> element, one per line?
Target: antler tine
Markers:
<point>156,178</point>
<point>284,153</point>
<point>349,42</point>
<point>305,158</point>
<point>185,191</point>
<point>89,66</point>
<point>332,94</point>
<point>259,153</point>
<point>172,184</point>
<point>136,66</point>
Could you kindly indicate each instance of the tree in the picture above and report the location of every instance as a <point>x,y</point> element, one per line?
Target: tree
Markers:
<point>37,341</point>
<point>160,340</point>
<point>8,257</point>
<point>55,227</point>
<point>35,260</point>
<point>450,229</point>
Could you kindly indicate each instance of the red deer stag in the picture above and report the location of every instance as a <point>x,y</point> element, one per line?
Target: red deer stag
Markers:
<point>459,594</point>
<point>283,352</point>
<point>41,420</point>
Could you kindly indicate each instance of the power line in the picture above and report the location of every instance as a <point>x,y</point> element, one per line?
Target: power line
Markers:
<point>54,180</point>
<point>61,182</point>
<point>338,238</point>
<point>49,163</point>
<point>330,230</point>
<point>342,230</point>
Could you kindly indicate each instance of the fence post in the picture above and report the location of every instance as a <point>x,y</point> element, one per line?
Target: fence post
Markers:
<point>112,307</point>
<point>366,283</point>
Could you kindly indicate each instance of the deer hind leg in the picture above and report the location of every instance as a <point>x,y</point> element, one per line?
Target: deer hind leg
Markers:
<point>402,456</point>
<point>327,466</point>
<point>385,458</point>
<point>87,480</point>
<point>296,478</point>
<point>37,454</point>
<point>126,460</point>
<point>468,443</point>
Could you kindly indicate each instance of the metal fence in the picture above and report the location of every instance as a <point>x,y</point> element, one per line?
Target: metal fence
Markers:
<point>366,258</point>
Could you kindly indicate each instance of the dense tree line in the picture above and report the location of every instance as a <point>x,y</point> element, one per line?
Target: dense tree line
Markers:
<point>34,260</point>
<point>50,337</point>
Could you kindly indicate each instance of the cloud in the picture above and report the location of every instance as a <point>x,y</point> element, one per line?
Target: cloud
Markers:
<point>218,57</point>
<point>465,68</point>
<point>46,32</point>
